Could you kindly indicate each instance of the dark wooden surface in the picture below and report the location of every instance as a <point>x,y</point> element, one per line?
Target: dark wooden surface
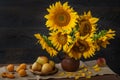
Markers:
<point>100,77</point>
<point>20,20</point>
<point>104,77</point>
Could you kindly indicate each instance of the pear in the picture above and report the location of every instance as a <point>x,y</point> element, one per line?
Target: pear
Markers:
<point>52,63</point>
<point>42,60</point>
<point>36,66</point>
<point>46,68</point>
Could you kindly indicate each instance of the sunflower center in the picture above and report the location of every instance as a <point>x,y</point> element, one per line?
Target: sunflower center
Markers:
<point>62,18</point>
<point>85,28</point>
<point>75,49</point>
<point>81,46</point>
<point>62,38</point>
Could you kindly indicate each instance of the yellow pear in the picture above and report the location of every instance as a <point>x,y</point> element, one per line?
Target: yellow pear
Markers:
<point>52,63</point>
<point>42,60</point>
<point>46,68</point>
<point>36,66</point>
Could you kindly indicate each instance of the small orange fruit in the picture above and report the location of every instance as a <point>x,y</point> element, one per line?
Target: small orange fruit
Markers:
<point>11,76</point>
<point>4,74</point>
<point>22,72</point>
<point>7,75</point>
<point>23,66</point>
<point>10,67</point>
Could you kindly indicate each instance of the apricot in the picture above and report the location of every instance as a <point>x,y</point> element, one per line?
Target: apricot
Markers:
<point>10,67</point>
<point>7,75</point>
<point>4,74</point>
<point>22,72</point>
<point>11,76</point>
<point>23,66</point>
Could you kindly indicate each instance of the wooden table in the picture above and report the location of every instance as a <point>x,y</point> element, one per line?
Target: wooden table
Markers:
<point>102,77</point>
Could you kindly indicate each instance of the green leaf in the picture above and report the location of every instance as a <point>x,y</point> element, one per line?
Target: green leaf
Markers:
<point>99,34</point>
<point>47,40</point>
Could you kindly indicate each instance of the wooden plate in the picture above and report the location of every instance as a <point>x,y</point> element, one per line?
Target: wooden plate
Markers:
<point>55,70</point>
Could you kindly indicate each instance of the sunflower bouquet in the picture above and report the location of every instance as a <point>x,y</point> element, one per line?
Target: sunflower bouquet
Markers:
<point>76,35</point>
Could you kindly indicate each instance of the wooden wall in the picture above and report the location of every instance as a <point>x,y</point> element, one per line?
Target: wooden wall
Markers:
<point>21,19</point>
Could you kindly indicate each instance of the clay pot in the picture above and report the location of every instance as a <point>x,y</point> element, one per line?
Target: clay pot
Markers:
<point>70,64</point>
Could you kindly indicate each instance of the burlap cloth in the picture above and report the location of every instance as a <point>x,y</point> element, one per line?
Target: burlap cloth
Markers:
<point>61,73</point>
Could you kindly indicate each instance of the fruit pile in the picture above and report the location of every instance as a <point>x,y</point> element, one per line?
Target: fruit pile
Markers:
<point>21,70</point>
<point>43,65</point>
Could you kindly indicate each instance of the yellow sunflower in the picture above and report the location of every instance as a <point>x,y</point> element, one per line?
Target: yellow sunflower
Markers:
<point>81,47</point>
<point>87,24</point>
<point>60,39</point>
<point>61,17</point>
<point>44,45</point>
<point>103,40</point>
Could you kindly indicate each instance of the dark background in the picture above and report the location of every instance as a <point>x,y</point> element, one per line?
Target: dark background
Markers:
<point>21,19</point>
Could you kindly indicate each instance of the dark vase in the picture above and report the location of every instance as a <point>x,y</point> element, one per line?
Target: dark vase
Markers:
<point>70,64</point>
